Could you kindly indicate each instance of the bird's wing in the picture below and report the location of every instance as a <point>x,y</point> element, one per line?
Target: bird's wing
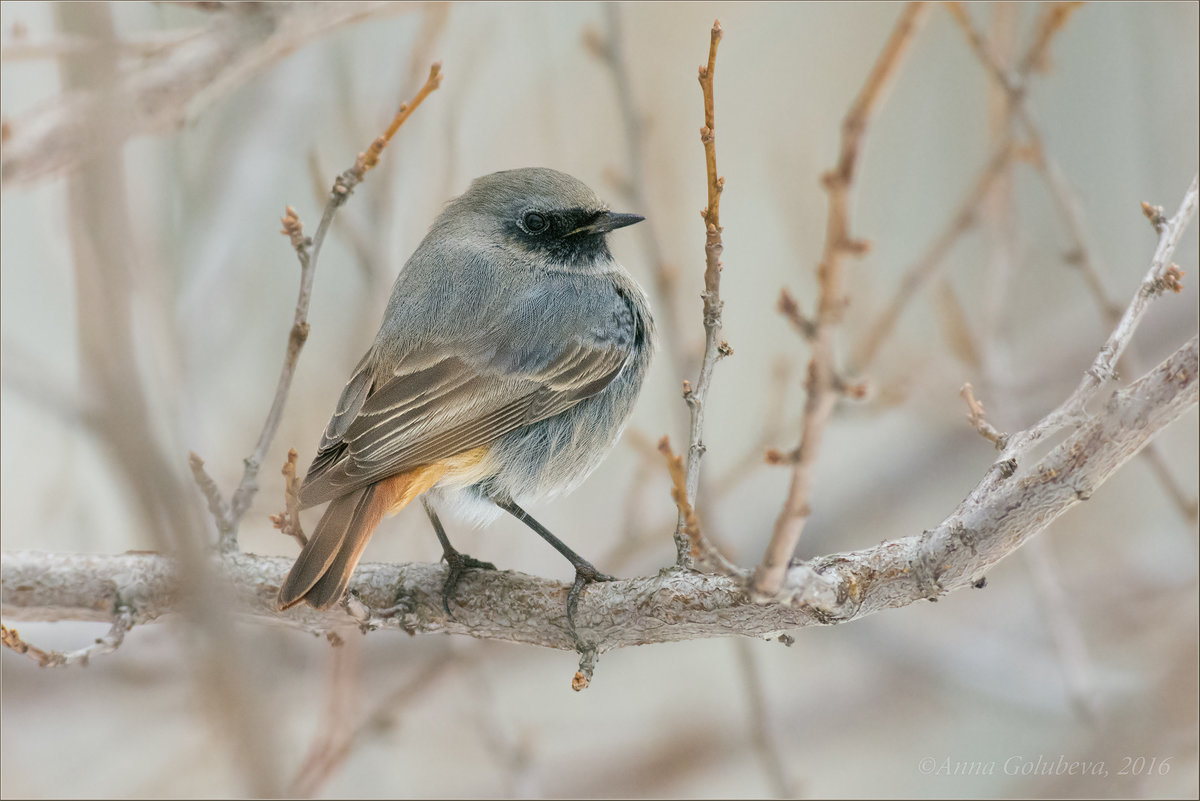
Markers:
<point>432,409</point>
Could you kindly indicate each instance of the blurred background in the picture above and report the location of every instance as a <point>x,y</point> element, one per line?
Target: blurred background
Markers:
<point>1082,647</point>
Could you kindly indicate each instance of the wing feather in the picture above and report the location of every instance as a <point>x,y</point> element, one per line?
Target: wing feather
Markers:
<point>441,409</point>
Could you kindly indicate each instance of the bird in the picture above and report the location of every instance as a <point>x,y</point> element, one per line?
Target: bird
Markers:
<point>510,356</point>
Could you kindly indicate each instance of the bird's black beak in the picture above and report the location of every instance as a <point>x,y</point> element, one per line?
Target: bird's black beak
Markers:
<point>607,221</point>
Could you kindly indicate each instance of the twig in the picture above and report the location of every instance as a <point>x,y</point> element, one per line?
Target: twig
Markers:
<point>1155,215</point>
<point>164,91</point>
<point>512,752</point>
<point>346,227</point>
<point>758,717</point>
<point>1054,17</point>
<point>212,493</point>
<point>1082,256</point>
<point>964,218</point>
<point>366,231</point>
<point>1009,108</point>
<point>1109,310</point>
<point>107,644</point>
<point>369,159</point>
<point>589,654</point>
<point>147,44</point>
<point>927,266</point>
<point>334,736</point>
<point>976,416</point>
<point>1052,20</point>
<point>702,553</point>
<point>288,521</point>
<point>820,385</point>
<point>308,252</point>
<point>1064,629</point>
<point>714,348</point>
<point>956,326</point>
<point>790,309</point>
<point>1073,411</point>
<point>330,752</point>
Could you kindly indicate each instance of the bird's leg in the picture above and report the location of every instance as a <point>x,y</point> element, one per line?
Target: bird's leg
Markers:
<point>585,573</point>
<point>457,562</point>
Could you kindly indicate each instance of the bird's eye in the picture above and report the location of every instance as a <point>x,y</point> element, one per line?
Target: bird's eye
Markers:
<point>534,222</point>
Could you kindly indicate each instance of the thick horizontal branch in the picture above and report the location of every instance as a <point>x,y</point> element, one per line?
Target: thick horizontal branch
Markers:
<point>674,605</point>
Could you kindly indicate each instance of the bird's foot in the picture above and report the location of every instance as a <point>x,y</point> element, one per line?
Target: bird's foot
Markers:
<point>585,574</point>
<point>458,563</point>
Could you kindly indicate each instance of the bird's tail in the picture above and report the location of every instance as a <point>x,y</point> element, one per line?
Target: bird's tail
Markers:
<point>324,567</point>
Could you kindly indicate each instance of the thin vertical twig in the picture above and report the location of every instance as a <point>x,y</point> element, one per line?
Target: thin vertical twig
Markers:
<point>758,713</point>
<point>822,381</point>
<point>714,347</point>
<point>702,554</point>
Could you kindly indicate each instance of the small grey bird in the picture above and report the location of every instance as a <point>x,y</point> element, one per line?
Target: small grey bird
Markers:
<point>509,359</point>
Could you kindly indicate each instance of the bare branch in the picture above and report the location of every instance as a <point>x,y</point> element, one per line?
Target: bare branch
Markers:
<point>288,521</point>
<point>369,159</point>
<point>927,266</point>
<point>758,713</point>
<point>103,645</point>
<point>822,392</point>
<point>1073,411</point>
<point>1102,370</point>
<point>212,493</point>
<point>1081,256</point>
<point>308,253</point>
<point>335,737</point>
<point>976,416</point>
<point>146,44</point>
<point>162,92</point>
<point>713,247</point>
<point>790,309</point>
<point>1155,215</point>
<point>1052,20</point>
<point>703,554</point>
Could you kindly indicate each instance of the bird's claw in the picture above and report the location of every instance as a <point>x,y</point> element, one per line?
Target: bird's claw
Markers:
<point>584,574</point>
<point>458,563</point>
